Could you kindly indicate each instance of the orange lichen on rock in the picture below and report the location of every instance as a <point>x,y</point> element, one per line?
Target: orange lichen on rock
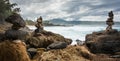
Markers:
<point>11,51</point>
<point>71,53</point>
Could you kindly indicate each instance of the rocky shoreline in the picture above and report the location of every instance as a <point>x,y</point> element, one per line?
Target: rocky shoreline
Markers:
<point>40,45</point>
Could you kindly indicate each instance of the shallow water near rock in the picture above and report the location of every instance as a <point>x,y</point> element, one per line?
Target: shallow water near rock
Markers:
<point>77,31</point>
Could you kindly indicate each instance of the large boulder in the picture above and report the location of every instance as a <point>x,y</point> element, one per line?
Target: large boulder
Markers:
<point>16,20</point>
<point>103,42</point>
<point>12,34</point>
<point>13,51</point>
<point>45,38</point>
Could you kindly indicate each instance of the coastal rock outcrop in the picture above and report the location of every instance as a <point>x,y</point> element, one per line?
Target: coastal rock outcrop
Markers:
<point>41,38</point>
<point>46,39</point>
<point>107,41</point>
<point>101,42</point>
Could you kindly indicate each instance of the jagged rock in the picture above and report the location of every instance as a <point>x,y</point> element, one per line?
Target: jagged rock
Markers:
<point>11,51</point>
<point>12,34</point>
<point>45,38</point>
<point>57,45</point>
<point>104,42</point>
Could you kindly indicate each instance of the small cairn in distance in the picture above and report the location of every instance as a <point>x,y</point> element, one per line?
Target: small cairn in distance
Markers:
<point>39,26</point>
<point>110,21</point>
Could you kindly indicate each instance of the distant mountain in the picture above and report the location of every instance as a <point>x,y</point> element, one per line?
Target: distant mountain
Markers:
<point>59,21</point>
<point>64,22</point>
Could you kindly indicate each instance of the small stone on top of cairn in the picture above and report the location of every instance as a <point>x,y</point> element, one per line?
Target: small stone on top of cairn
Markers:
<point>39,26</point>
<point>110,21</point>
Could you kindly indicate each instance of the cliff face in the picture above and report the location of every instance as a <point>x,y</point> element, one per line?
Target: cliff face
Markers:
<point>104,42</point>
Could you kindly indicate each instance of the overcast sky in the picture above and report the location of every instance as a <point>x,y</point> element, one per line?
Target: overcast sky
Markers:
<point>83,10</point>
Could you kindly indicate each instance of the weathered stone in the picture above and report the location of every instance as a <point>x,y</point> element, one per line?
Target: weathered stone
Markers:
<point>104,43</point>
<point>45,38</point>
<point>15,34</point>
<point>57,45</point>
<point>16,20</point>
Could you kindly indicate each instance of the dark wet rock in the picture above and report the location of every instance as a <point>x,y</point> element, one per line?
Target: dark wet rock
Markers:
<point>37,31</point>
<point>79,42</point>
<point>15,34</point>
<point>114,31</point>
<point>104,42</point>
<point>57,45</point>
<point>107,41</point>
<point>16,20</point>
<point>31,52</point>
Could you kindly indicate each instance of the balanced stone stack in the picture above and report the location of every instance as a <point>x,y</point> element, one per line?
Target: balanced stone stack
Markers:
<point>42,38</point>
<point>12,48</point>
<point>39,26</point>
<point>14,33</point>
<point>107,41</point>
<point>109,21</point>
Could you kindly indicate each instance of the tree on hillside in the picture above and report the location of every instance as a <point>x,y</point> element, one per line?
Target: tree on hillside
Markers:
<point>6,8</point>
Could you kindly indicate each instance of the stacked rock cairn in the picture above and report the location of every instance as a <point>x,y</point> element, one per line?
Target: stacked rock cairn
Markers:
<point>110,21</point>
<point>39,26</point>
<point>15,33</point>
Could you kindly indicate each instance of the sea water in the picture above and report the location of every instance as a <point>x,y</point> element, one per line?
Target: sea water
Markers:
<point>77,31</point>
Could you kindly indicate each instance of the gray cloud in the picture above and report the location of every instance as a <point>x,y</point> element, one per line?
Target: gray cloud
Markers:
<point>75,9</point>
<point>25,2</point>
